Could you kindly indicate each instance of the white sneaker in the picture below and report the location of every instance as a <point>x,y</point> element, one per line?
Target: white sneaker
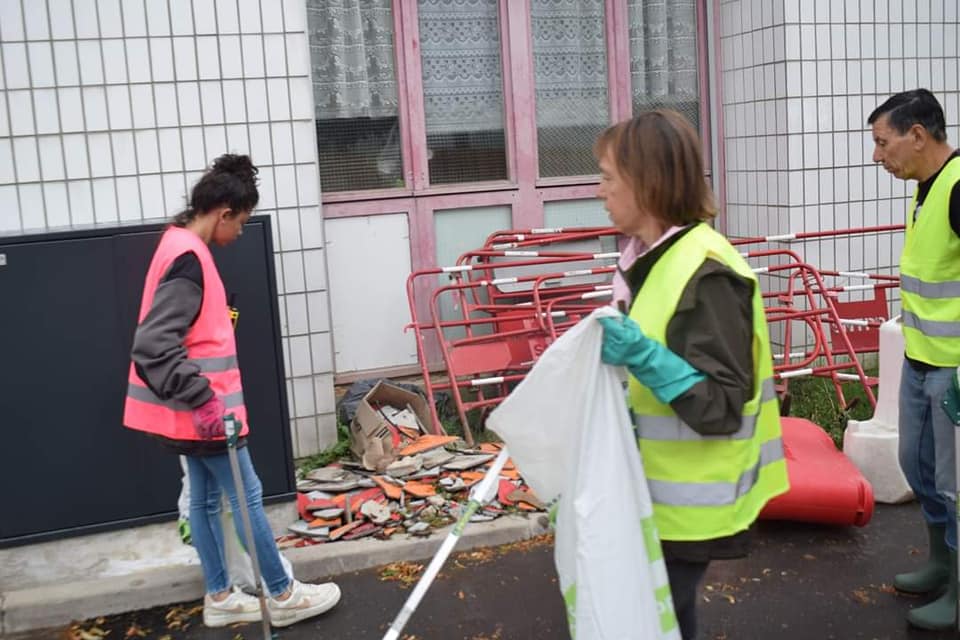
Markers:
<point>305,601</point>
<point>237,607</point>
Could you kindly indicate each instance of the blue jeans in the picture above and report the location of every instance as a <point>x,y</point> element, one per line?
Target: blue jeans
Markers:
<point>209,476</point>
<point>927,445</point>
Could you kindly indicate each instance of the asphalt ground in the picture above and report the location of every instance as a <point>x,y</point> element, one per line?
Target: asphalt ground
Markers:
<point>802,582</point>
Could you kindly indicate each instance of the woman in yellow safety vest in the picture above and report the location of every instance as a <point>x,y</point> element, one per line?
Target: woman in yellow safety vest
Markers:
<point>184,377</point>
<point>696,344</point>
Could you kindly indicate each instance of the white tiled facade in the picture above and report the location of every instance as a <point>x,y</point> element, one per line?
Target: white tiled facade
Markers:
<point>799,78</point>
<point>110,110</point>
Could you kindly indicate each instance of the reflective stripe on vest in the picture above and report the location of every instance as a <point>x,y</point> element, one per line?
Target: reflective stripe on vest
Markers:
<point>930,276</point>
<point>930,289</point>
<point>210,344</point>
<point>210,365</point>
<point>710,494</point>
<point>672,428</point>
<point>706,487</point>
<point>931,328</point>
<point>143,394</point>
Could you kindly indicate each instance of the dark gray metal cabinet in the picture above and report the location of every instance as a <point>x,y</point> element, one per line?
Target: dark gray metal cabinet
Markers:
<point>68,309</point>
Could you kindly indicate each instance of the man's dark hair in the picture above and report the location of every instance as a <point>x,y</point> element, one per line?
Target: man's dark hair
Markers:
<point>908,108</point>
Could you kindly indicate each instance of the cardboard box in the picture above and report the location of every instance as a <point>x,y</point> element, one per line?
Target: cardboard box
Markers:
<point>371,438</point>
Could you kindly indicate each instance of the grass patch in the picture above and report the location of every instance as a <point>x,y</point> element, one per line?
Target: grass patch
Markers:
<point>340,450</point>
<point>452,427</point>
<point>816,400</point>
<point>450,418</point>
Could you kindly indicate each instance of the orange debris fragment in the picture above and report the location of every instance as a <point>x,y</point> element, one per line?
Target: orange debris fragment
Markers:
<point>419,489</point>
<point>320,522</point>
<point>393,491</point>
<point>339,532</point>
<point>425,443</point>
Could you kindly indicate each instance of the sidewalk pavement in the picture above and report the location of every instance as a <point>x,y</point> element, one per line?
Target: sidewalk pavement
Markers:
<point>54,583</point>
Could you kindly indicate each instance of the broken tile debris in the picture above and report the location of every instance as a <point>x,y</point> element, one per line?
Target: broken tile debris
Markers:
<point>420,484</point>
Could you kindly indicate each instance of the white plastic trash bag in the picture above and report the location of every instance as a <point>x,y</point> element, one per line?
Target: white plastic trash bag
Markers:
<point>567,428</point>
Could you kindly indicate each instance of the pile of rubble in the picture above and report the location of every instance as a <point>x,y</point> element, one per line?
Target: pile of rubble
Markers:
<point>427,486</point>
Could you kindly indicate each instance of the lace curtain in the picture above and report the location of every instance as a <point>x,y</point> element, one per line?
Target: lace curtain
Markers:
<point>663,50</point>
<point>354,75</point>
<point>570,62</point>
<point>352,57</point>
<point>462,69</point>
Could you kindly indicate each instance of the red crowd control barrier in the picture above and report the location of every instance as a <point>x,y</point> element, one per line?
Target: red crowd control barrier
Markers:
<point>481,323</point>
<point>480,332</point>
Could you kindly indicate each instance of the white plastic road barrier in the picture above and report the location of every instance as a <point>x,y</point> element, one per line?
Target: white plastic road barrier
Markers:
<point>872,444</point>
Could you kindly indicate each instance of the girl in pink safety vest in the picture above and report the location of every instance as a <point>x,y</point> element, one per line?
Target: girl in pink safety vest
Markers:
<point>184,378</point>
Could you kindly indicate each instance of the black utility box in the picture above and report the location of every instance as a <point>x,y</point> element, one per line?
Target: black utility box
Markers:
<point>68,310</point>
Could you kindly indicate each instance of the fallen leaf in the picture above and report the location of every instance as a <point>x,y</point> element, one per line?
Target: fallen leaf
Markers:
<point>861,596</point>
<point>460,595</point>
<point>134,631</point>
<point>809,556</point>
<point>406,573</point>
<point>77,632</point>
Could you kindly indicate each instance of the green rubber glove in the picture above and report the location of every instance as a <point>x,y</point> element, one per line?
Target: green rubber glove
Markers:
<point>665,373</point>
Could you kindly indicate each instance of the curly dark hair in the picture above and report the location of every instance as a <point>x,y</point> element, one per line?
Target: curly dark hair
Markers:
<point>230,181</point>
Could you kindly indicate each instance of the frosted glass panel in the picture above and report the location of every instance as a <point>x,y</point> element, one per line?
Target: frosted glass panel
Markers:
<point>575,213</point>
<point>461,230</point>
<point>579,213</point>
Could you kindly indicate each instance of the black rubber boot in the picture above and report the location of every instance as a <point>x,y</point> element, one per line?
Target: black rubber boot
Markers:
<point>935,573</point>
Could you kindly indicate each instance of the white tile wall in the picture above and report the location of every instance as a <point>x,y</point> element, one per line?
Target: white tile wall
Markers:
<point>105,104</point>
<point>840,59</point>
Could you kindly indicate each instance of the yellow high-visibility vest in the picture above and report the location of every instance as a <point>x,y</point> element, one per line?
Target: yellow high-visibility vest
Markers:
<point>930,276</point>
<point>706,487</point>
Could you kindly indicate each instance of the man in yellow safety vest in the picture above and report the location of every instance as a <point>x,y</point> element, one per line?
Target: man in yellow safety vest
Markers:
<point>909,133</point>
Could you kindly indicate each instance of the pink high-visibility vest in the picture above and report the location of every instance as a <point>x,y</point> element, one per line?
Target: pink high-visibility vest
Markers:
<point>210,345</point>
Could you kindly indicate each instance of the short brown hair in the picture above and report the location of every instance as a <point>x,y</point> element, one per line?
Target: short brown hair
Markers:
<point>660,153</point>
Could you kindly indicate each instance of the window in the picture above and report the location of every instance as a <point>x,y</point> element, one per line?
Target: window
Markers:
<point>355,91</point>
<point>462,90</point>
<point>663,56</point>
<point>487,94</point>
<point>570,65</point>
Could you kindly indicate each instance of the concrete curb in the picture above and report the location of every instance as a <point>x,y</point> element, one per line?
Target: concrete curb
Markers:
<point>57,605</point>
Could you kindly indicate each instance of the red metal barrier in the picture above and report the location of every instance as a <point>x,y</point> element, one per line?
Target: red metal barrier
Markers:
<point>519,291</point>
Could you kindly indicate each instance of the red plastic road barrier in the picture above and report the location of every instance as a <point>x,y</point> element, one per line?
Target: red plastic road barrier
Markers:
<point>825,486</point>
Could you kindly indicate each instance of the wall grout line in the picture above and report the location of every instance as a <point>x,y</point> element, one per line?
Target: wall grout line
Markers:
<point>33,112</point>
<point>133,130</point>
<point>13,152</point>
